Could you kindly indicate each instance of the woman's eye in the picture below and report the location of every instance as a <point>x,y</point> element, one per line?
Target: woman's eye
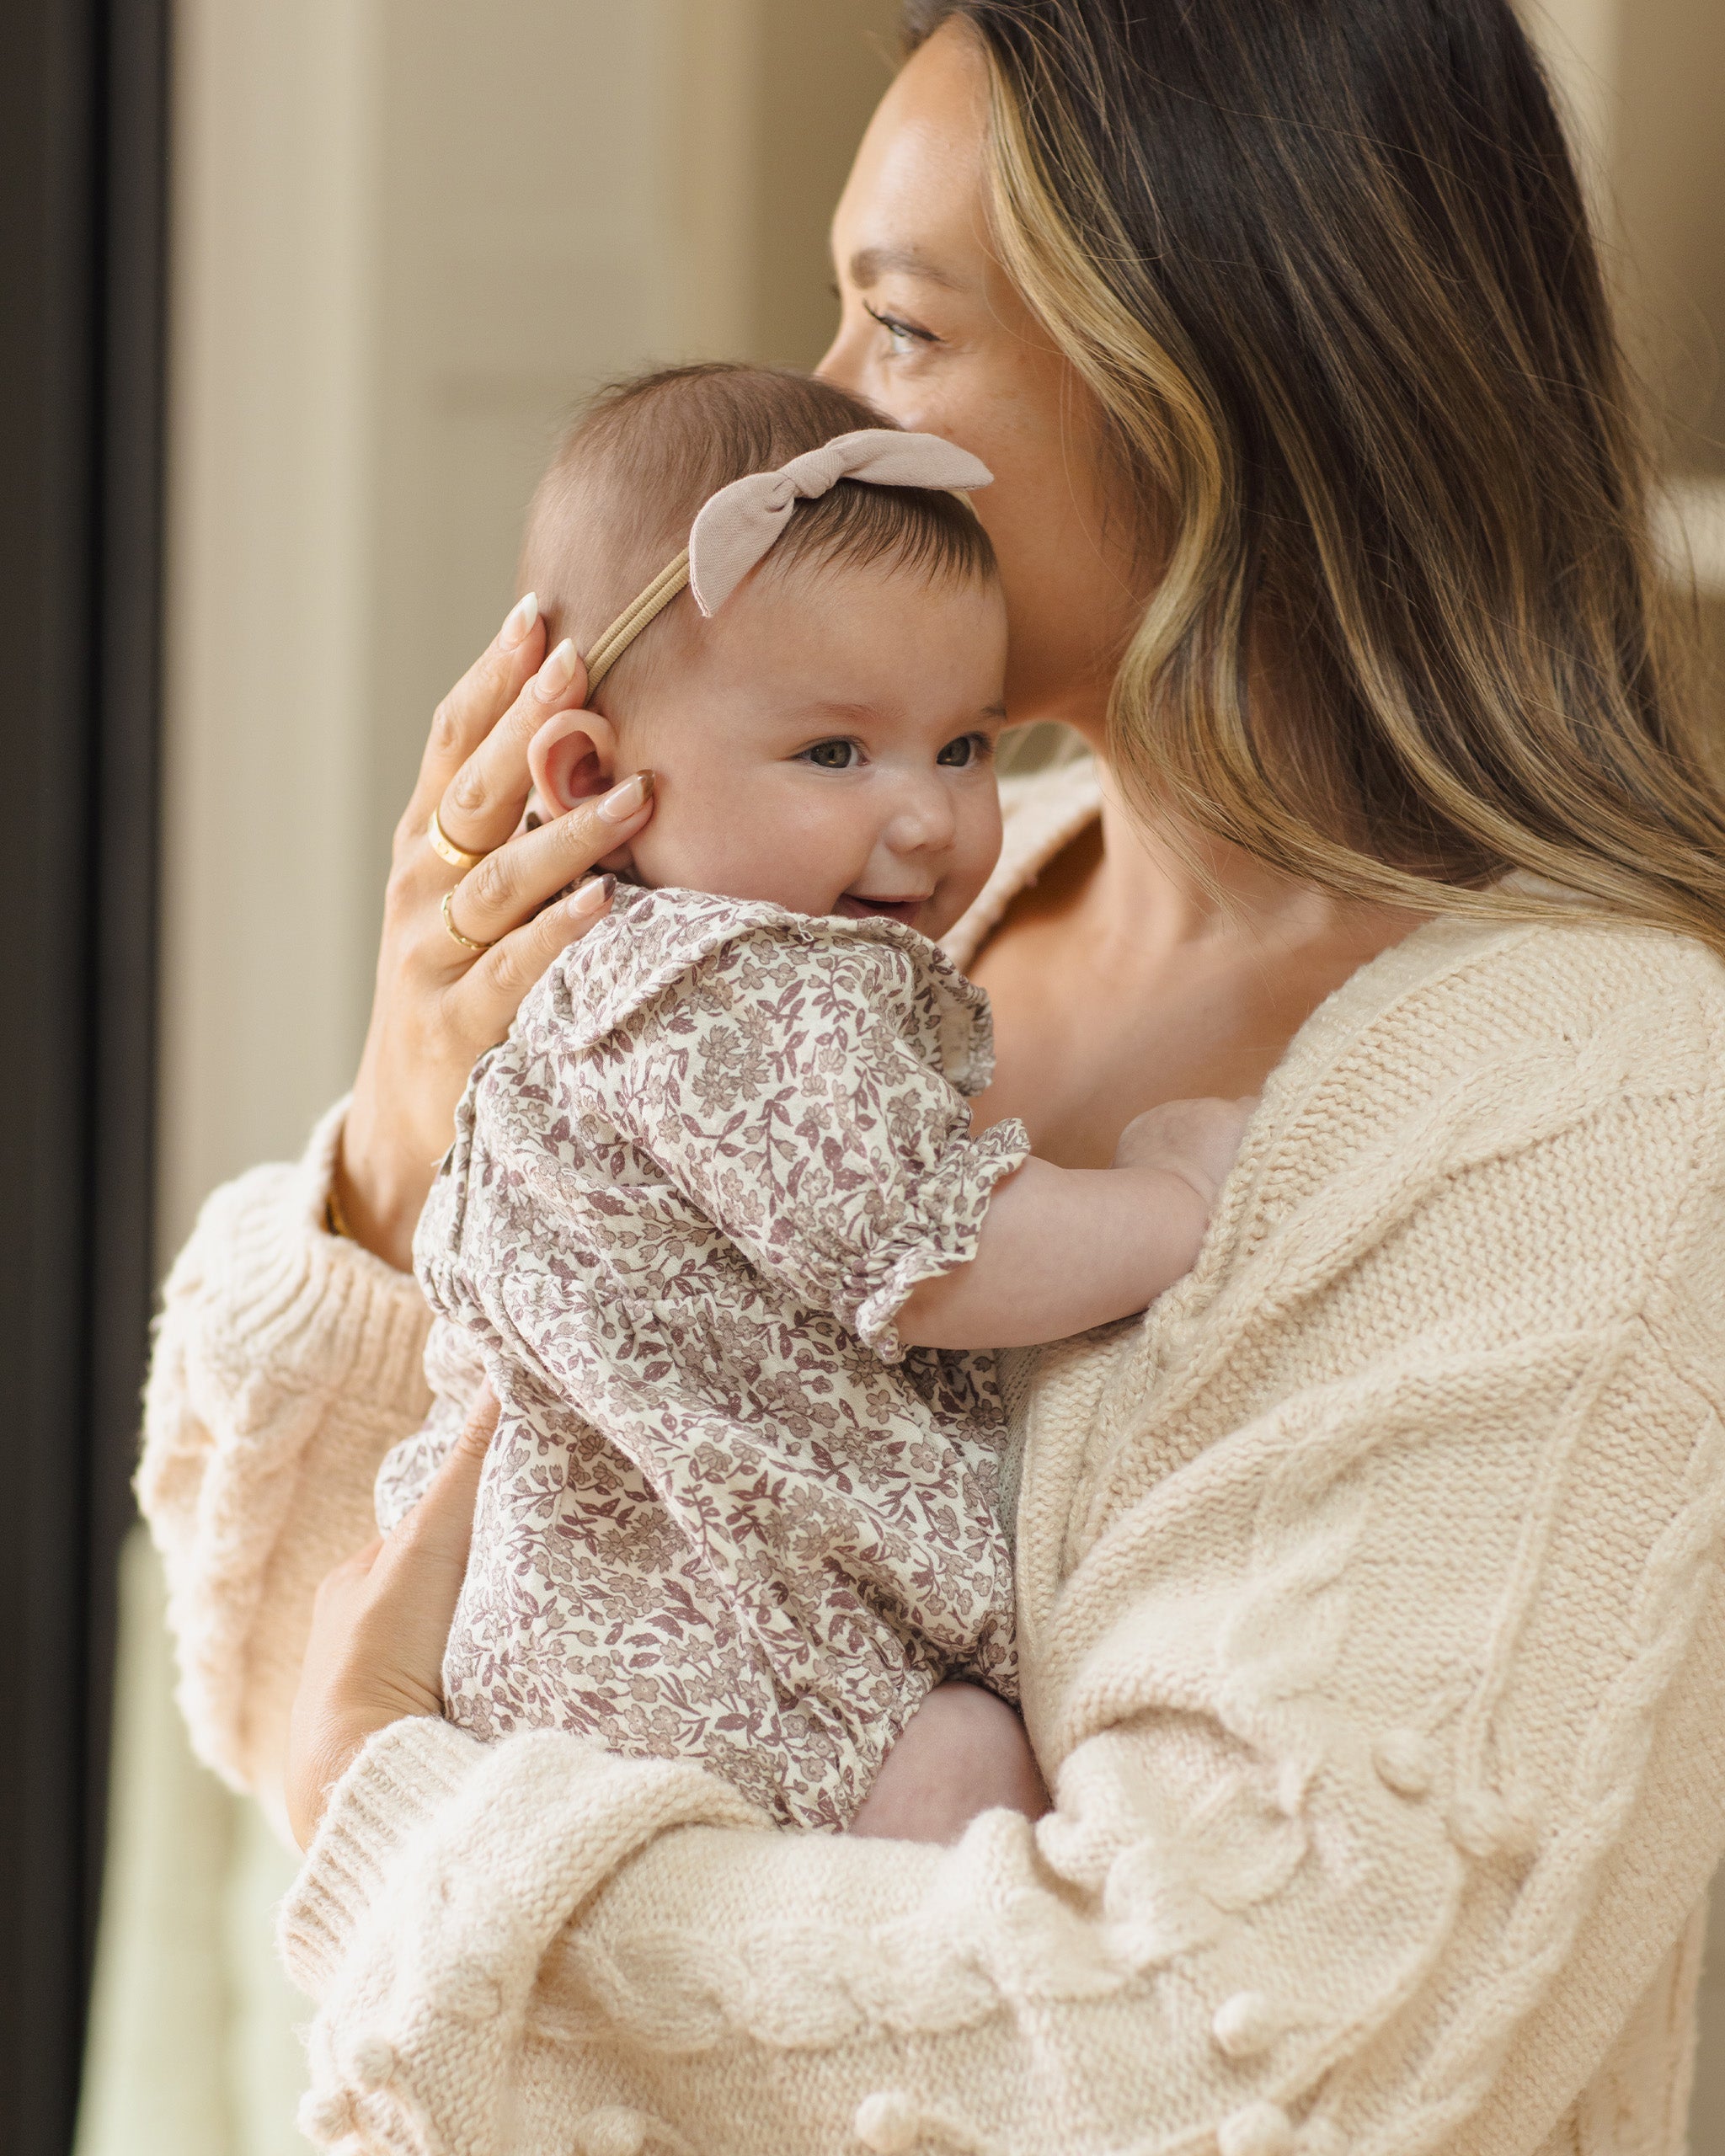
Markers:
<point>968,749</point>
<point>831,756</point>
<point>905,335</point>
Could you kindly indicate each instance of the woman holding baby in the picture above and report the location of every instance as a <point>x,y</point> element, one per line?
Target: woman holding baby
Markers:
<point>1367,1620</point>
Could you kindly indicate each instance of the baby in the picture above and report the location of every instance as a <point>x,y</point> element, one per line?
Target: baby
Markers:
<point>715,1225</point>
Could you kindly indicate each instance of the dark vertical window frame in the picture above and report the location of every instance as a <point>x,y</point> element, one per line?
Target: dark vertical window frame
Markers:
<point>83,114</point>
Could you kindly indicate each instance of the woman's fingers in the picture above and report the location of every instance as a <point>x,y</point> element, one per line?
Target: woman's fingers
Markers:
<point>427,1555</point>
<point>380,1625</point>
<point>514,882</point>
<point>348,1574</point>
<point>489,994</point>
<point>490,687</point>
<point>482,802</point>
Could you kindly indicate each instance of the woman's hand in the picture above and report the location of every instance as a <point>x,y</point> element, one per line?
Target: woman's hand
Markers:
<point>441,1002</point>
<point>379,1628</point>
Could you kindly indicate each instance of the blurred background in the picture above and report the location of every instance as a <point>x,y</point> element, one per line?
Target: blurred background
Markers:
<point>299,291</point>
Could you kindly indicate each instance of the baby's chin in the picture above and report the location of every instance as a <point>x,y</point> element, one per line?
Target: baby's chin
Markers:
<point>931,916</point>
<point>909,913</point>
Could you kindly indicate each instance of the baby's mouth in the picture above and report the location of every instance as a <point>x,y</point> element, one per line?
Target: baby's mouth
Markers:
<point>853,907</point>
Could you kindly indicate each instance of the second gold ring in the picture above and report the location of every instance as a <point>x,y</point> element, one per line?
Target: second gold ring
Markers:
<point>467,942</point>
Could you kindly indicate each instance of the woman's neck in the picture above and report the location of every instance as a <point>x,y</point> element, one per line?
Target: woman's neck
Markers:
<point>1156,887</point>
<point>1136,969</point>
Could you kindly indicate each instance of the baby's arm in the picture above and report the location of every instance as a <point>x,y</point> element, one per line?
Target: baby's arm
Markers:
<point>1064,1249</point>
<point>962,1753</point>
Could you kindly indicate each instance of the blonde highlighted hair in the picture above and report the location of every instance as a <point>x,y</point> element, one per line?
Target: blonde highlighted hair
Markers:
<point>1325,265</point>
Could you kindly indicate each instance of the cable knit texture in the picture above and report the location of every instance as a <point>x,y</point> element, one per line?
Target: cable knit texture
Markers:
<point>1372,1636</point>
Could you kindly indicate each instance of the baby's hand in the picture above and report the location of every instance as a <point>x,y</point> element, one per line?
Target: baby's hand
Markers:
<point>1196,1141</point>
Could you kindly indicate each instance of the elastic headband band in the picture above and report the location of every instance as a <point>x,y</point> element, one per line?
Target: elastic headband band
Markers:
<point>629,624</point>
<point>737,527</point>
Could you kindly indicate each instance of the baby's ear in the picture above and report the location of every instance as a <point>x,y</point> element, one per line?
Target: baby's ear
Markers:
<point>572,757</point>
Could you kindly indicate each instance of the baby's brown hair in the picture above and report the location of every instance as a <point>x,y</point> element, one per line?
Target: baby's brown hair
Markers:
<point>631,474</point>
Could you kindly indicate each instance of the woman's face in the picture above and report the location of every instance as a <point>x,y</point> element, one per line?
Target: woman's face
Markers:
<point>932,332</point>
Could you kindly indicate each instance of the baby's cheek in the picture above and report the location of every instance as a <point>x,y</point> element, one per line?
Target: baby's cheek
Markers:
<point>657,857</point>
<point>746,850</point>
<point>973,861</point>
<point>953,898</point>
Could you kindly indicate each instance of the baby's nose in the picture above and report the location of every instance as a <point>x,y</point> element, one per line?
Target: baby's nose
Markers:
<point>922,820</point>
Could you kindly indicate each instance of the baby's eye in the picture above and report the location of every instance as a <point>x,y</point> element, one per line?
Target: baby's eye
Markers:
<point>831,756</point>
<point>967,749</point>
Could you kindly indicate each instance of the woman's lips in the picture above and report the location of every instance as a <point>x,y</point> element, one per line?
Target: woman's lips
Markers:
<point>904,910</point>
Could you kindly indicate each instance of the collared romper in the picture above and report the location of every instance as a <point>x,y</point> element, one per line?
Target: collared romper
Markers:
<point>725,1516</point>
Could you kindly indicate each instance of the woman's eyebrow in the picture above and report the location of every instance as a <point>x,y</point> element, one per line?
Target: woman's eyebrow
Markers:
<point>869,264</point>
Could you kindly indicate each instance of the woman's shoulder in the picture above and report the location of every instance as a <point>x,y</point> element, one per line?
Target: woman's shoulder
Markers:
<point>1464,998</point>
<point>1524,1114</point>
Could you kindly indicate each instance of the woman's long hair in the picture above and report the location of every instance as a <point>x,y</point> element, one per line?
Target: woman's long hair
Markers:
<point>1326,265</point>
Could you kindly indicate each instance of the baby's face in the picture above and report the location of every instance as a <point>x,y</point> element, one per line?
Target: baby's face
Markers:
<point>826,742</point>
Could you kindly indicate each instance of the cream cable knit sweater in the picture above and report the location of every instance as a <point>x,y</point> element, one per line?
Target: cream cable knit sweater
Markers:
<point>1374,1641</point>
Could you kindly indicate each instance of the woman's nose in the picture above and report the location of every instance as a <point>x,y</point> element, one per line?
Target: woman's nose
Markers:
<point>839,361</point>
<point>831,365</point>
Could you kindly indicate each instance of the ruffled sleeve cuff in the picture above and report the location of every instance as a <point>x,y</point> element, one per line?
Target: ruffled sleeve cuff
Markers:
<point>936,1233</point>
<point>404,1775</point>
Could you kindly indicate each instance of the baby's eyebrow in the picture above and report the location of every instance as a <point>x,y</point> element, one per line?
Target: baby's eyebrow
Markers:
<point>832,707</point>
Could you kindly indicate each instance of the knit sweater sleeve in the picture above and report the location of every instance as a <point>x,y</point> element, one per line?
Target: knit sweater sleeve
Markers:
<point>1372,1641</point>
<point>286,1363</point>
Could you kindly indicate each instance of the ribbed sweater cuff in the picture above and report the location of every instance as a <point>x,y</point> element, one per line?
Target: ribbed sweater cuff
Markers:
<point>302,1295</point>
<point>401,1778</point>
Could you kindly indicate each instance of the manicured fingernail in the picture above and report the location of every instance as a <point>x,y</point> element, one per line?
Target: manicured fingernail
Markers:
<point>593,894</point>
<point>556,673</point>
<point>627,799</point>
<point>519,618</point>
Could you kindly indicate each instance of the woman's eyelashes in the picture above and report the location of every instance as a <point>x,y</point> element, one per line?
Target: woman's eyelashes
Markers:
<point>903,337</point>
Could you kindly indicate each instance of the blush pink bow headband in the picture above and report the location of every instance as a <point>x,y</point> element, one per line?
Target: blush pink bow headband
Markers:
<point>736,526</point>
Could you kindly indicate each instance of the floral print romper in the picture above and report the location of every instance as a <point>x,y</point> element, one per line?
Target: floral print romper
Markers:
<point>726,1516</point>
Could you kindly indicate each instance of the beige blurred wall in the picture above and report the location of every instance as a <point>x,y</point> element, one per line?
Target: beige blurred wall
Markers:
<point>1670,170</point>
<point>1643,83</point>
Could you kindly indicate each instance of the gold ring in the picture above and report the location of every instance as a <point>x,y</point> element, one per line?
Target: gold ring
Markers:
<point>446,849</point>
<point>467,942</point>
